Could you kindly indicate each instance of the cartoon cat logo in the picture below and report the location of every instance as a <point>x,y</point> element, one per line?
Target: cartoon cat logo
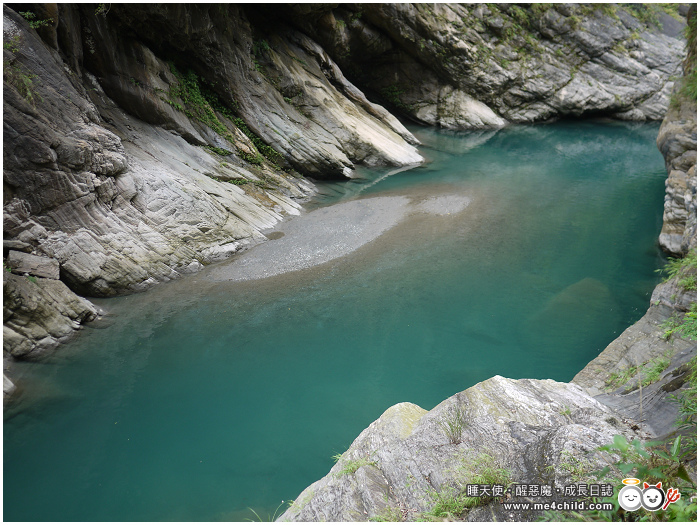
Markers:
<point>653,496</point>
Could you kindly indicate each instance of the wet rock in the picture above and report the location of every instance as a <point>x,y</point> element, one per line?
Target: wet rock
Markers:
<point>39,314</point>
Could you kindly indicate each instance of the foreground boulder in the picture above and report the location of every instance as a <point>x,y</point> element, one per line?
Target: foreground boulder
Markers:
<point>38,315</point>
<point>410,458</point>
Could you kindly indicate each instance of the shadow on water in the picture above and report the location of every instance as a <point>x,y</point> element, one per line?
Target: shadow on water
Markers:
<point>521,253</point>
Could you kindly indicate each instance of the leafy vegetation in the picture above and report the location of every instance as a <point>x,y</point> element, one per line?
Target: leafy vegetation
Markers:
<point>202,104</point>
<point>451,504</point>
<point>652,371</point>
<point>351,466</point>
<point>648,372</point>
<point>219,151</point>
<point>33,22</point>
<point>653,462</point>
<point>685,269</point>
<point>17,75</point>
<point>578,469</point>
<point>682,324</point>
<point>102,9</point>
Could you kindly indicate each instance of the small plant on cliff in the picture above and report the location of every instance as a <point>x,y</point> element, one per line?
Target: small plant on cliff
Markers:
<point>451,503</point>
<point>682,324</point>
<point>685,269</point>
<point>351,466</point>
<point>647,373</point>
<point>102,9</point>
<point>33,22</point>
<point>219,151</point>
<point>620,377</point>
<point>389,514</point>
<point>687,401</point>
<point>17,75</point>
<point>652,371</point>
<point>579,469</point>
<point>453,424</point>
<point>274,516</point>
<point>392,94</point>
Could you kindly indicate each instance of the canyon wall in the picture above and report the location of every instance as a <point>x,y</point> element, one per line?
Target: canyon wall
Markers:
<point>410,461</point>
<point>142,142</point>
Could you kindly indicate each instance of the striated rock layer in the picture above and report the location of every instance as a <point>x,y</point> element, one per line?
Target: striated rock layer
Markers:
<point>408,455</point>
<point>143,142</point>
<point>678,141</point>
<point>466,66</point>
<point>129,171</point>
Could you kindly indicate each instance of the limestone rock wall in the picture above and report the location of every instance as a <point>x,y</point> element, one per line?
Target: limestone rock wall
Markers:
<point>464,66</point>
<point>106,166</point>
<point>143,142</point>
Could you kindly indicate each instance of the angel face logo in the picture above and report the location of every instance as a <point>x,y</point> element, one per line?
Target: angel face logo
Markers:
<point>630,498</point>
<point>652,498</point>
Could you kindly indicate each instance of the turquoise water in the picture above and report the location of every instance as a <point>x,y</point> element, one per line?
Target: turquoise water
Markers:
<point>197,400</point>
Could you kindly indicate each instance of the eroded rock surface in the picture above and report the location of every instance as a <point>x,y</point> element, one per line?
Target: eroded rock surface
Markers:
<point>528,427</point>
<point>678,142</point>
<point>106,165</point>
<point>38,315</point>
<point>466,66</point>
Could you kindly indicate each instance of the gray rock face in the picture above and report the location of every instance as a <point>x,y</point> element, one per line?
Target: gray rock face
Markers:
<point>408,455</point>
<point>678,141</point>
<point>615,375</point>
<point>110,179</point>
<point>33,265</point>
<point>466,66</point>
<point>38,314</point>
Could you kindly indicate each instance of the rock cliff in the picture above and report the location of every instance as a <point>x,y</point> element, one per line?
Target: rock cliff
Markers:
<point>141,143</point>
<point>463,66</point>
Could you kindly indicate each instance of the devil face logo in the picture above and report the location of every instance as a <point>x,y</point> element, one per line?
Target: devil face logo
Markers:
<point>630,498</point>
<point>653,497</point>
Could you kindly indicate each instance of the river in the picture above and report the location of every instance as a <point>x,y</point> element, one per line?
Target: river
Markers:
<point>521,253</point>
